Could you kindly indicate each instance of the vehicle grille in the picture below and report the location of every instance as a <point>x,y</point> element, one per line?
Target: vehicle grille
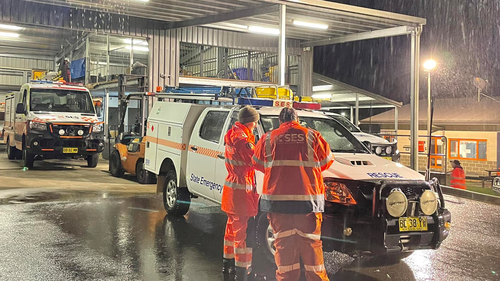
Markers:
<point>71,130</point>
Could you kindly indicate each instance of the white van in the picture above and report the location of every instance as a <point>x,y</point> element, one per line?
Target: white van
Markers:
<point>52,120</point>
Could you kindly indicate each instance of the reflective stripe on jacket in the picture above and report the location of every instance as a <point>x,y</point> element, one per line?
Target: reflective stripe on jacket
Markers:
<point>458,178</point>
<point>238,195</point>
<point>292,158</point>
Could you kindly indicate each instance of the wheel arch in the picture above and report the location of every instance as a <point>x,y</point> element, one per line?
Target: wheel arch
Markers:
<point>166,166</point>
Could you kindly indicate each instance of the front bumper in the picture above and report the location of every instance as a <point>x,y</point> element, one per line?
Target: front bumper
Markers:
<point>348,231</point>
<point>46,144</point>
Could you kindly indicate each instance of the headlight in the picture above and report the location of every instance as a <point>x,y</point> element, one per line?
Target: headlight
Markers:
<point>388,150</point>
<point>396,203</point>
<point>378,150</point>
<point>38,126</point>
<point>337,192</point>
<point>97,128</point>
<point>428,202</point>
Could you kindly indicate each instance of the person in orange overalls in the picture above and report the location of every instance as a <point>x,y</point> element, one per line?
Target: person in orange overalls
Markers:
<point>457,175</point>
<point>239,199</point>
<point>292,158</point>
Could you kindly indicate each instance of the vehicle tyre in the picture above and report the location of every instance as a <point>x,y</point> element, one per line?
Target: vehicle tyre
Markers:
<point>265,237</point>
<point>176,200</point>
<point>92,160</point>
<point>11,151</point>
<point>28,158</point>
<point>143,176</point>
<point>115,164</point>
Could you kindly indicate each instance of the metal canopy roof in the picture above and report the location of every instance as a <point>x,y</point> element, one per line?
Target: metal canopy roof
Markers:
<point>344,95</point>
<point>345,22</point>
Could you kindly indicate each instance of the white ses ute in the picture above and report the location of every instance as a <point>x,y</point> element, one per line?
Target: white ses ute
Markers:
<point>373,206</point>
<point>52,120</point>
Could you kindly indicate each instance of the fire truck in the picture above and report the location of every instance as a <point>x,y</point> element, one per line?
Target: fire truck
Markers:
<point>373,206</point>
<point>52,120</point>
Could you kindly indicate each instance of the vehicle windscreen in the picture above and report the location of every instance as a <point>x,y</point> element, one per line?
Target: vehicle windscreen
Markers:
<point>338,137</point>
<point>61,101</point>
<point>346,123</point>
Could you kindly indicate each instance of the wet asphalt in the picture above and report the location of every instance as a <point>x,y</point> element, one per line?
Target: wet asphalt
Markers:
<point>61,221</point>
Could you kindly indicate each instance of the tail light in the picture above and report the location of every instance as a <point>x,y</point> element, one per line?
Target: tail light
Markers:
<point>337,192</point>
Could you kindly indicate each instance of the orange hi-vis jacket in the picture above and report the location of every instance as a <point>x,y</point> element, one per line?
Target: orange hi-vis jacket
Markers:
<point>458,178</point>
<point>238,196</point>
<point>292,158</point>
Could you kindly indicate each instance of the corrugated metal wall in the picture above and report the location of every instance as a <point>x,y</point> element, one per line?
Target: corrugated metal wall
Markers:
<point>165,52</point>
<point>17,71</point>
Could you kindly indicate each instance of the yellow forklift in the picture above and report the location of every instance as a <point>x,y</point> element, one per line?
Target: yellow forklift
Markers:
<point>128,155</point>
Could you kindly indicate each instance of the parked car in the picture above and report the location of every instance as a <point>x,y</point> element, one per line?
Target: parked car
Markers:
<point>379,146</point>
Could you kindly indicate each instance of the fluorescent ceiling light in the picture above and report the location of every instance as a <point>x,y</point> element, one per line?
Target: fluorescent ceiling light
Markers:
<point>310,24</point>
<point>9,34</point>
<point>10,27</point>
<point>139,48</point>
<point>322,88</point>
<point>264,30</point>
<point>322,96</point>
<point>136,42</point>
<point>240,26</point>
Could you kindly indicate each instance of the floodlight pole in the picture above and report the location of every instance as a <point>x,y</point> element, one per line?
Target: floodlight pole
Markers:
<point>282,46</point>
<point>414,96</point>
<point>429,129</point>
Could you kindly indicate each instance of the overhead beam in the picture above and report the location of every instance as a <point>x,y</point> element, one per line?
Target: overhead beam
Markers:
<point>350,10</point>
<point>225,16</point>
<point>361,107</point>
<point>388,32</point>
<point>328,80</point>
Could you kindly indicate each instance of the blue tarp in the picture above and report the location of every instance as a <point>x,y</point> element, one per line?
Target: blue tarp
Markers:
<point>78,68</point>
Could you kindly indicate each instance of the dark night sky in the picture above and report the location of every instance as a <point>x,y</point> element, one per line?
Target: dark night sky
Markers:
<point>463,36</point>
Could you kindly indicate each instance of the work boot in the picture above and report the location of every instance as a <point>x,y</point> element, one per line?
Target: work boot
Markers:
<point>244,274</point>
<point>228,270</point>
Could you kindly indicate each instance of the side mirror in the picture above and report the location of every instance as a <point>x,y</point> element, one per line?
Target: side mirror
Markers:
<point>368,145</point>
<point>20,108</point>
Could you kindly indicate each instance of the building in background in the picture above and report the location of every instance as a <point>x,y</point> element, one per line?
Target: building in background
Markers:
<point>463,129</point>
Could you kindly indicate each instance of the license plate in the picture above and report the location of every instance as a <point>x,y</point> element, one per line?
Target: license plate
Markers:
<point>70,150</point>
<point>413,224</point>
<point>388,158</point>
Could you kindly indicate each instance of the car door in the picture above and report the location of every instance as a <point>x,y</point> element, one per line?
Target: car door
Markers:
<point>203,152</point>
<point>20,118</point>
<point>220,167</point>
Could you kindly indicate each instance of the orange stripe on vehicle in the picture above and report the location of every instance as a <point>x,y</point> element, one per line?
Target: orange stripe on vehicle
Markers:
<point>70,137</point>
<point>171,144</point>
<point>92,149</point>
<point>47,149</point>
<point>207,152</point>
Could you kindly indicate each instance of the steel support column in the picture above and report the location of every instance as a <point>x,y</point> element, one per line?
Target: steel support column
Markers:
<point>201,60</point>
<point>352,115</point>
<point>131,53</point>
<point>356,116</point>
<point>107,58</point>
<point>87,60</point>
<point>414,97</point>
<point>282,46</point>
<point>396,121</point>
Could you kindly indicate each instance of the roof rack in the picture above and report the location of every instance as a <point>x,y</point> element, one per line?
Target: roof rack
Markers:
<point>196,97</point>
<point>56,82</point>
